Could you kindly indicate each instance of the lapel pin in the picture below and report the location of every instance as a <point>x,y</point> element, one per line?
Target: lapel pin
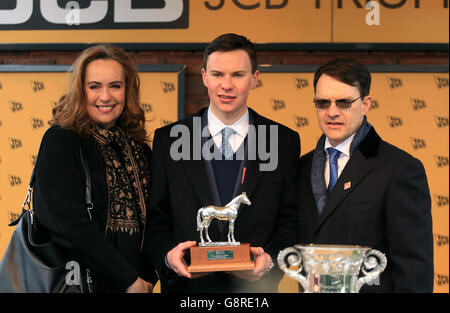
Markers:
<point>347,185</point>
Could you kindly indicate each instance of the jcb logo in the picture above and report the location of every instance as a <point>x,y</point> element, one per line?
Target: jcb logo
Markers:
<point>165,122</point>
<point>33,159</point>
<point>36,122</point>
<point>301,121</point>
<point>14,143</point>
<point>15,106</point>
<point>441,280</point>
<point>258,84</point>
<point>394,82</point>
<point>418,143</point>
<point>441,82</point>
<point>167,87</point>
<point>105,14</point>
<point>441,161</point>
<point>37,86</point>
<point>147,107</point>
<point>441,200</point>
<point>418,104</point>
<point>441,121</point>
<point>13,216</point>
<point>14,180</point>
<point>394,121</point>
<point>278,104</point>
<point>441,240</point>
<point>300,83</point>
<point>374,105</point>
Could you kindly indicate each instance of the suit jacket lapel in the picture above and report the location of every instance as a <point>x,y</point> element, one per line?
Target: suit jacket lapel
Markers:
<point>195,169</point>
<point>196,172</point>
<point>250,178</point>
<point>318,186</point>
<point>359,166</point>
<point>356,169</point>
<point>250,173</point>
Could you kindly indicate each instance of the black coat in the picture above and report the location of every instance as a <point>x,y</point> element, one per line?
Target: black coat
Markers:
<point>59,203</point>
<point>387,207</point>
<point>182,187</point>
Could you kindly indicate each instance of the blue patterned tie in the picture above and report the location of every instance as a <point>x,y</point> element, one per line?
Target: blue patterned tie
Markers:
<point>227,150</point>
<point>334,155</point>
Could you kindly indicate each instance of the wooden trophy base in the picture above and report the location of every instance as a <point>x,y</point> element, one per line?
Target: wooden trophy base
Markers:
<point>221,258</point>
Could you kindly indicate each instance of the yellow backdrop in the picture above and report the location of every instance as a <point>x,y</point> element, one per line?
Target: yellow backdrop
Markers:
<point>410,110</point>
<point>263,21</point>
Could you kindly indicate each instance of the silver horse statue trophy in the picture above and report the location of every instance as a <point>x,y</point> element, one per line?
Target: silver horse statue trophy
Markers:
<point>227,213</point>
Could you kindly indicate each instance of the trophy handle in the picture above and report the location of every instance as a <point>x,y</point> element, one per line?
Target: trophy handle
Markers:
<point>373,265</point>
<point>291,257</point>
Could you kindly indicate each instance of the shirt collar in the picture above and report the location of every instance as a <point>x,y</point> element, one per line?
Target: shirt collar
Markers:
<point>343,147</point>
<point>215,125</point>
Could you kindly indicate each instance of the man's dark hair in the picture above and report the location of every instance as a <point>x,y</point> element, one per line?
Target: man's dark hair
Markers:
<point>231,42</point>
<point>348,71</point>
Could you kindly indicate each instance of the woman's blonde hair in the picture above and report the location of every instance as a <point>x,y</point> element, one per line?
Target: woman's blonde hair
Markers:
<point>70,111</point>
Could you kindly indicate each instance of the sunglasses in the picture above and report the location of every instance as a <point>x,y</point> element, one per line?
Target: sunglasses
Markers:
<point>340,103</point>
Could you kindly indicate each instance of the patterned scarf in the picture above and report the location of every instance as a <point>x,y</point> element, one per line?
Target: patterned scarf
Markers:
<point>127,177</point>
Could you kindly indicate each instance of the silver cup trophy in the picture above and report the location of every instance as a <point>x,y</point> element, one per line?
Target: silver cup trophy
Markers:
<point>332,268</point>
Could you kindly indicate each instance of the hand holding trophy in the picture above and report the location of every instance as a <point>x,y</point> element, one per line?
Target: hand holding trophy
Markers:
<point>211,256</point>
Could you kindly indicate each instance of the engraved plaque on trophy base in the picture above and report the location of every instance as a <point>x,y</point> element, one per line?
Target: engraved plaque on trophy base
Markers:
<point>221,258</point>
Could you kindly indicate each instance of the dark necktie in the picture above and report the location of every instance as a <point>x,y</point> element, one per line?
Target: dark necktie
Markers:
<point>334,155</point>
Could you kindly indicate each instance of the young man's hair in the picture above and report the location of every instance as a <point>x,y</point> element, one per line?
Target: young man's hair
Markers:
<point>231,42</point>
<point>348,71</point>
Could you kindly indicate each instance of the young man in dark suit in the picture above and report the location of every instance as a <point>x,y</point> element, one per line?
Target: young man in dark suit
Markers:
<point>260,157</point>
<point>357,189</point>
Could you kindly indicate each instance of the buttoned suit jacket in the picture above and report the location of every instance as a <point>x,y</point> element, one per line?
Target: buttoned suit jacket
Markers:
<point>181,187</point>
<point>381,200</point>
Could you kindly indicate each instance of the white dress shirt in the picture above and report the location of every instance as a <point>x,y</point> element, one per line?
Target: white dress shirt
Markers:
<point>344,148</point>
<point>240,127</point>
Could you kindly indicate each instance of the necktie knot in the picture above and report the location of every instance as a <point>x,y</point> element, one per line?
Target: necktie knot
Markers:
<point>227,150</point>
<point>334,155</point>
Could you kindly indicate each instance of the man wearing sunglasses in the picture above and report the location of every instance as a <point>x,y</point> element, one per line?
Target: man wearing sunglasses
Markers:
<point>356,189</point>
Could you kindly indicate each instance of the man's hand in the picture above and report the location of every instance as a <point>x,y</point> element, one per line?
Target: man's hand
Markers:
<point>140,286</point>
<point>175,259</point>
<point>263,263</point>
